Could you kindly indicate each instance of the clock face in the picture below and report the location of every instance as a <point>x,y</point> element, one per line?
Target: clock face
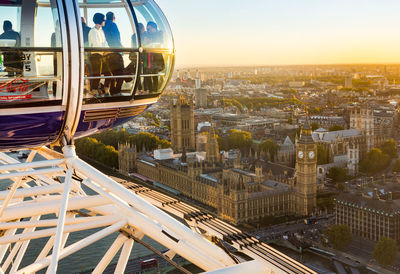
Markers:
<point>311,154</point>
<point>301,154</point>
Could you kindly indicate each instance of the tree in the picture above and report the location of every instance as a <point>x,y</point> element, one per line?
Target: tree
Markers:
<point>338,235</point>
<point>322,155</point>
<point>98,151</point>
<point>396,166</point>
<point>314,126</point>
<point>375,161</point>
<point>389,147</point>
<point>385,251</point>
<point>336,128</point>
<point>337,174</point>
<point>239,139</point>
<point>270,147</point>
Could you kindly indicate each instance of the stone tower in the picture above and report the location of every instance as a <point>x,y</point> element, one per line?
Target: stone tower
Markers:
<point>362,118</point>
<point>126,158</point>
<point>306,172</point>
<point>259,172</point>
<point>182,124</point>
<point>212,155</point>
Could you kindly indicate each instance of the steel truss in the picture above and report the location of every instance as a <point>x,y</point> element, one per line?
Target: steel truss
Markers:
<point>52,198</point>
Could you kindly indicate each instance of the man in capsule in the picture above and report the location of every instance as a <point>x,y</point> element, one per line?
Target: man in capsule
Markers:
<point>97,39</point>
<point>114,61</point>
<point>12,60</point>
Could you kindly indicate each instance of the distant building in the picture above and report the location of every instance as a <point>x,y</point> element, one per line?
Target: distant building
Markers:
<point>296,84</point>
<point>200,96</point>
<point>363,119</point>
<point>286,154</point>
<point>182,124</point>
<point>347,143</point>
<point>126,158</point>
<point>372,215</point>
<point>197,83</point>
<point>348,81</point>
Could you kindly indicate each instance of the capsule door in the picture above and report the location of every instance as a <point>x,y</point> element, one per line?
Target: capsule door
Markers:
<point>34,81</point>
<point>124,71</point>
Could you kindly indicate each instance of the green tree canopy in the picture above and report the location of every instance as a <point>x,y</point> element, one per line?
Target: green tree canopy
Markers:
<point>385,251</point>
<point>375,161</point>
<point>322,155</point>
<point>389,147</point>
<point>314,126</point>
<point>142,140</point>
<point>239,139</point>
<point>338,174</point>
<point>271,147</point>
<point>98,151</point>
<point>396,166</point>
<point>338,235</point>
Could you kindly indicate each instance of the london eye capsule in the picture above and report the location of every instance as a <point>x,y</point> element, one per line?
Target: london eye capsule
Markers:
<point>76,67</point>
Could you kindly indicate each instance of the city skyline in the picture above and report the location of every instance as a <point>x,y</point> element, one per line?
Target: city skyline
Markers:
<point>283,33</point>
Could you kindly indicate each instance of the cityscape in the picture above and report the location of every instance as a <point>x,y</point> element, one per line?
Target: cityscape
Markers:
<point>176,136</point>
<point>301,156</point>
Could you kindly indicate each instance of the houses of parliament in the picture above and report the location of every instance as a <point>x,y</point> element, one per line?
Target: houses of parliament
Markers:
<point>238,191</point>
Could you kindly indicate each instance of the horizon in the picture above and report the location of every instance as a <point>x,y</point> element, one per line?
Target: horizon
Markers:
<point>265,33</point>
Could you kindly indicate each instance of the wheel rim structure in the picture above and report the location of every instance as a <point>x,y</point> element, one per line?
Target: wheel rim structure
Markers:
<point>48,199</point>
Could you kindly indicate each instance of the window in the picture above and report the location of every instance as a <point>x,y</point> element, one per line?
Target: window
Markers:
<point>156,40</point>
<point>30,52</point>
<point>111,60</point>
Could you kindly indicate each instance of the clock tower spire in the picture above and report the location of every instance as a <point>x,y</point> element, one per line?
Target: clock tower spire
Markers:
<point>306,171</point>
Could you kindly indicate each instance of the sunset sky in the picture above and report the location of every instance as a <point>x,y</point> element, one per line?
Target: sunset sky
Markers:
<point>265,32</point>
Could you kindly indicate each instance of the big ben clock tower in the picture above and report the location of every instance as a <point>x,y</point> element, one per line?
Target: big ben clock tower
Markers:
<point>306,172</point>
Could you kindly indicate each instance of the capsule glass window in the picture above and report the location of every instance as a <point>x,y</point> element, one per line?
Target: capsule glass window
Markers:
<point>30,51</point>
<point>111,58</point>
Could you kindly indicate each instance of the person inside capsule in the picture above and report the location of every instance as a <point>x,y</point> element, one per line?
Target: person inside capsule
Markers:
<point>114,65</point>
<point>153,62</point>
<point>12,60</point>
<point>97,39</point>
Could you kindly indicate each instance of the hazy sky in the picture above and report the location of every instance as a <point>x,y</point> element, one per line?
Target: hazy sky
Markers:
<point>262,32</point>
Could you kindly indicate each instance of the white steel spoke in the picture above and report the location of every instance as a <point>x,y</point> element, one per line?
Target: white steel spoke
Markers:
<point>46,249</point>
<point>61,221</point>
<point>40,206</point>
<point>23,248</point>
<point>3,249</point>
<point>124,256</point>
<point>74,247</point>
<point>52,231</point>
<point>110,254</point>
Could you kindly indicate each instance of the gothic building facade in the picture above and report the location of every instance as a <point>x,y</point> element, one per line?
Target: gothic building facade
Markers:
<point>182,124</point>
<point>126,158</point>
